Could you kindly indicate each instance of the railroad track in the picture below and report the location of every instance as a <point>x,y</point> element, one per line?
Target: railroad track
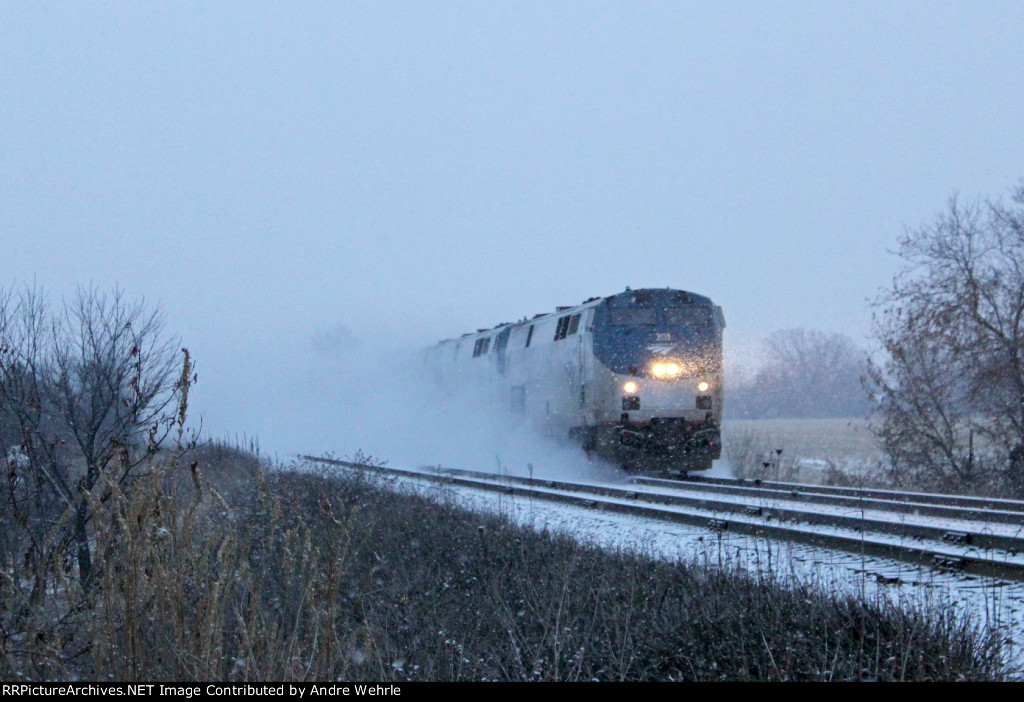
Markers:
<point>956,506</point>
<point>975,536</point>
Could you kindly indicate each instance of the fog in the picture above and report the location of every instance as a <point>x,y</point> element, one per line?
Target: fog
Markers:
<point>272,174</point>
<point>340,399</point>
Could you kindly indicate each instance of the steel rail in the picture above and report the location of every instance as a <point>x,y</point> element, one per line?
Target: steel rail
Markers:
<point>965,501</point>
<point>813,494</point>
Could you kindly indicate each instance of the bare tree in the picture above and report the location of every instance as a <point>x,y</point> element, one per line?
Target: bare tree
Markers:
<point>31,509</point>
<point>90,393</point>
<point>951,387</point>
<point>806,373</point>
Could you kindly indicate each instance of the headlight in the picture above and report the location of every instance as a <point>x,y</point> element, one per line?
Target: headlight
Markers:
<point>629,387</point>
<point>703,386</point>
<point>666,370</point>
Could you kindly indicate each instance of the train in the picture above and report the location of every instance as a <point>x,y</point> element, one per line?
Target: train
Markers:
<point>634,377</point>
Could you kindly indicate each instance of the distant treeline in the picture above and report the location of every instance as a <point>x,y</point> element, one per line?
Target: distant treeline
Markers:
<point>806,374</point>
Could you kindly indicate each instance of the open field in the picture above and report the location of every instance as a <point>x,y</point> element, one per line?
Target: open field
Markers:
<point>821,439</point>
<point>813,450</point>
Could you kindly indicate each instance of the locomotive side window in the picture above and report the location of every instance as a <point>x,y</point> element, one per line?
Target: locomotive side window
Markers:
<point>481,346</point>
<point>529,337</point>
<point>567,326</point>
<point>563,327</point>
<point>574,325</point>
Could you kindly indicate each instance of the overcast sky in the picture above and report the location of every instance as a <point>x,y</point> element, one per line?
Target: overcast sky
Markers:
<point>271,173</point>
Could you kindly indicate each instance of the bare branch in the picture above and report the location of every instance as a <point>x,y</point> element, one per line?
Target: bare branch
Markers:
<point>951,326</point>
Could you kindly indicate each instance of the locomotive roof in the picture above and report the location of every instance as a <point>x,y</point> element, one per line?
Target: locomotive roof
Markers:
<point>655,295</point>
<point>660,295</point>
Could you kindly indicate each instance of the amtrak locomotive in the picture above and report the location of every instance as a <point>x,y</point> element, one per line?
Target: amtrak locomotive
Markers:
<point>634,377</point>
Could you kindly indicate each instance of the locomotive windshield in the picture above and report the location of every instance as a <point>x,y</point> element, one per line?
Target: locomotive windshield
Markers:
<point>689,316</point>
<point>634,317</point>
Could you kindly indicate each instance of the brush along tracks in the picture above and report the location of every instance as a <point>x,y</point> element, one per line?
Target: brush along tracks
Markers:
<point>970,535</point>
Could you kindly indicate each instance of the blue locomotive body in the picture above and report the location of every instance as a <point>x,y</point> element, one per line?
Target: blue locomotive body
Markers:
<point>635,377</point>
